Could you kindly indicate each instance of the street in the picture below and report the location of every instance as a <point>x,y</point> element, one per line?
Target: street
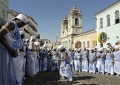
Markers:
<point>52,78</point>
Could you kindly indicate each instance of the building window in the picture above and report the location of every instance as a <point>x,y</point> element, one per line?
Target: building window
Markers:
<point>108,20</point>
<point>94,43</point>
<point>117,18</point>
<point>101,22</point>
<point>88,44</point>
<point>3,15</point>
<point>76,22</point>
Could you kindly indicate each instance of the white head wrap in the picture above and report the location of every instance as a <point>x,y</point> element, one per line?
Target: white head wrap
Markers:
<point>37,43</point>
<point>60,47</point>
<point>116,47</point>
<point>26,39</point>
<point>40,47</point>
<point>21,32</point>
<point>32,37</point>
<point>23,18</point>
<point>45,45</point>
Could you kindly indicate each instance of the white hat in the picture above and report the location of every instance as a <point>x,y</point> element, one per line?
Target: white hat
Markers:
<point>99,49</point>
<point>45,45</point>
<point>21,32</point>
<point>26,39</point>
<point>23,18</point>
<point>37,43</point>
<point>60,47</point>
<point>32,37</point>
<point>116,47</point>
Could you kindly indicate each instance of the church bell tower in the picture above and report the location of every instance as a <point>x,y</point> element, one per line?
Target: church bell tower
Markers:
<point>75,21</point>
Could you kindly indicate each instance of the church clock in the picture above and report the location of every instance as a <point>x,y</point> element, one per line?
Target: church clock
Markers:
<point>76,30</point>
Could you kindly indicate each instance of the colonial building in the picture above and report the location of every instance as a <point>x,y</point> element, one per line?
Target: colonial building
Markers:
<point>108,24</point>
<point>71,32</point>
<point>70,27</point>
<point>29,30</point>
<point>3,11</point>
<point>86,39</point>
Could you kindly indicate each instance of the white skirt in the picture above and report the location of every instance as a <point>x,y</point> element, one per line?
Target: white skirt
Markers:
<point>9,74</point>
<point>4,66</point>
<point>31,64</point>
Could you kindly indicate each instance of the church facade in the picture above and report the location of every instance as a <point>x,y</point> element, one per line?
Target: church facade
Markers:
<point>71,32</point>
<point>70,27</point>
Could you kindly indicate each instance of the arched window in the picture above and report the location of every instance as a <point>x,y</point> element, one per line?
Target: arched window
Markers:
<point>101,22</point>
<point>76,22</point>
<point>108,20</point>
<point>117,17</point>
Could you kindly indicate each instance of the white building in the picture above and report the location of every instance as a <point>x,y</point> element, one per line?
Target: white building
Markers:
<point>108,24</point>
<point>71,26</point>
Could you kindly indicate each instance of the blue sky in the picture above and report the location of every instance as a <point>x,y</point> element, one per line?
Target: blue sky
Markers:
<point>49,13</point>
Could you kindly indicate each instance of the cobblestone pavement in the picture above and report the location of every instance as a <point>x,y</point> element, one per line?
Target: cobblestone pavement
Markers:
<point>83,78</point>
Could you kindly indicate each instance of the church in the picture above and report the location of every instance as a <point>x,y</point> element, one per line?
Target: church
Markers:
<point>71,32</point>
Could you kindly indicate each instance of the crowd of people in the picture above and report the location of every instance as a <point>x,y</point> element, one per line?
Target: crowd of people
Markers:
<point>21,58</point>
<point>103,60</point>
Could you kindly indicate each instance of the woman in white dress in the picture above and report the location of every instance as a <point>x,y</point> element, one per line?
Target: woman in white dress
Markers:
<point>32,57</point>
<point>85,60</point>
<point>10,42</point>
<point>37,44</point>
<point>117,60</point>
<point>65,69</point>
<point>92,61</point>
<point>109,61</point>
<point>77,60</point>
